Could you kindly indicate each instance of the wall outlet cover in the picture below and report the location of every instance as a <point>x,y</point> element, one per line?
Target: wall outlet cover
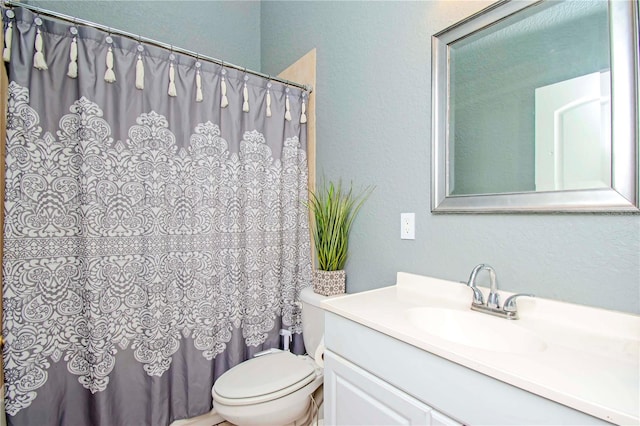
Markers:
<point>408,226</point>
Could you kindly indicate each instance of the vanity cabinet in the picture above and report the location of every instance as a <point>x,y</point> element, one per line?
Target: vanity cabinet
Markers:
<point>374,379</point>
<point>356,397</point>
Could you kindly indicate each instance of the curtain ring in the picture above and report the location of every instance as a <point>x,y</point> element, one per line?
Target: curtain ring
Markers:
<point>74,28</point>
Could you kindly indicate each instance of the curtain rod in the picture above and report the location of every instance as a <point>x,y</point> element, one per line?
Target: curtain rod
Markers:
<point>136,37</point>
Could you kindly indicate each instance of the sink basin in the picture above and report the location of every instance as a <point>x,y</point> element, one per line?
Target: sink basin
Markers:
<point>476,330</point>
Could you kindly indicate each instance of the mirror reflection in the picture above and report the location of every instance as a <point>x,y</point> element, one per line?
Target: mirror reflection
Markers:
<point>530,103</point>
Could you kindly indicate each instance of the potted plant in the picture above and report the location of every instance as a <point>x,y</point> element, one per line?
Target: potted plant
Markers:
<point>333,209</point>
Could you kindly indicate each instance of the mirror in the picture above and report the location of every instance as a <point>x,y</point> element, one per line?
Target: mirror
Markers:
<point>535,109</point>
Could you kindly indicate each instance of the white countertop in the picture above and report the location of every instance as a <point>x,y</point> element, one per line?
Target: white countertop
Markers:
<point>591,359</point>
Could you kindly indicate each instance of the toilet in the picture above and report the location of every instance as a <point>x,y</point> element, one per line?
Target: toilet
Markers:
<point>276,388</point>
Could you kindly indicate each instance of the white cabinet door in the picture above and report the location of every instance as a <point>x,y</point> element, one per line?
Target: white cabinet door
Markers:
<point>355,397</point>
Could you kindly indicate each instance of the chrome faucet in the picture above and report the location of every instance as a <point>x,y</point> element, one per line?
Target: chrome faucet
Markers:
<point>493,301</point>
<point>492,307</point>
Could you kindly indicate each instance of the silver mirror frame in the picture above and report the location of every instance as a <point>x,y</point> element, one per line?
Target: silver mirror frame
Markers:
<point>624,194</point>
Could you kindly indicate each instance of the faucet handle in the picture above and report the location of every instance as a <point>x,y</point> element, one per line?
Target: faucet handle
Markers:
<point>478,298</point>
<point>493,300</point>
<point>510,303</point>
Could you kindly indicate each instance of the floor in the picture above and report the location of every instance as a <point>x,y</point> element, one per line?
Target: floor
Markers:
<point>209,419</point>
<point>212,418</point>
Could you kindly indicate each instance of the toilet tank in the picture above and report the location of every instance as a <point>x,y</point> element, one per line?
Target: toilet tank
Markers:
<point>312,319</point>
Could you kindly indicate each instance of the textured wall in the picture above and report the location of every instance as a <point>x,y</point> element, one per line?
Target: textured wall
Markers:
<point>227,30</point>
<point>374,113</point>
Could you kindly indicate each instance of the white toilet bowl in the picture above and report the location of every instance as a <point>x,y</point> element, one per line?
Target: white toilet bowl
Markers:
<point>273,389</point>
<point>276,389</point>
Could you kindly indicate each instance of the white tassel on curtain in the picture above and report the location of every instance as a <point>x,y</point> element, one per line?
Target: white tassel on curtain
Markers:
<point>199,95</point>
<point>110,74</point>
<point>303,114</point>
<point>72,71</point>
<point>8,37</point>
<point>287,107</point>
<point>269,100</point>
<point>172,81</point>
<point>139,73</point>
<point>245,96</point>
<point>39,61</point>
<point>224,101</point>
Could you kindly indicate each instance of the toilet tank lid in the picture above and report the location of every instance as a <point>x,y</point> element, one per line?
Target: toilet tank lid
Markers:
<point>264,375</point>
<point>307,295</point>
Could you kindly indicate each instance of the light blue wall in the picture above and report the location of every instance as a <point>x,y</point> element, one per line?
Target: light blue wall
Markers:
<point>373,118</point>
<point>227,30</point>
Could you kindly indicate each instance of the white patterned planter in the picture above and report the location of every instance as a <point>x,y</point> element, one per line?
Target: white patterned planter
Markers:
<point>329,283</point>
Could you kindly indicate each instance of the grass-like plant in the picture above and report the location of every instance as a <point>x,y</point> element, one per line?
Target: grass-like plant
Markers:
<point>334,209</point>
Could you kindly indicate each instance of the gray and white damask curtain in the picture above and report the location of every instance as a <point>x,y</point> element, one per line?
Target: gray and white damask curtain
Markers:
<point>154,237</point>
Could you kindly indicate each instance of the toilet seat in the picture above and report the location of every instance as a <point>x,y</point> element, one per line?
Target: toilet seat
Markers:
<point>263,379</point>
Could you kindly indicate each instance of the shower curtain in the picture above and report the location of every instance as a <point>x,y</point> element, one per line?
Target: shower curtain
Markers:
<point>155,227</point>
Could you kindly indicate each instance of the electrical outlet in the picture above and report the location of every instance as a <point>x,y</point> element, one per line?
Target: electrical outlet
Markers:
<point>408,226</point>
